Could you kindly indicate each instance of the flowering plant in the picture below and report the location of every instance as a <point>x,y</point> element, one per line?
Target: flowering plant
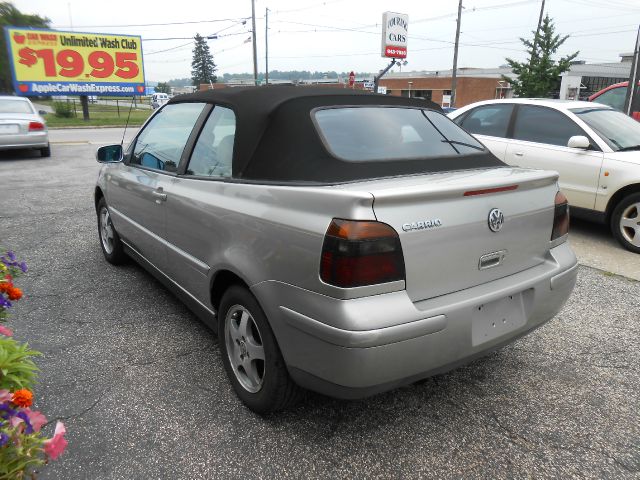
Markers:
<point>23,446</point>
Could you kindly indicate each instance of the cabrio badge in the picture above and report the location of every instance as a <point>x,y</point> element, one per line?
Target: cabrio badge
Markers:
<point>423,225</point>
<point>496,219</point>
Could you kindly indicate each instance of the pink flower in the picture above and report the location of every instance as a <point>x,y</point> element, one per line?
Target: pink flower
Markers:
<point>54,447</point>
<point>37,419</point>
<point>5,331</point>
<point>5,396</point>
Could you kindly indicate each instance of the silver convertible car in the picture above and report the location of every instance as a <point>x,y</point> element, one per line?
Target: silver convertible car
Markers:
<point>343,242</point>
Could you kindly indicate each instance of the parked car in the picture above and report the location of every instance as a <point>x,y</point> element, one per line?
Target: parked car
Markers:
<point>337,240</point>
<point>158,100</point>
<point>22,127</point>
<point>614,96</point>
<point>595,149</point>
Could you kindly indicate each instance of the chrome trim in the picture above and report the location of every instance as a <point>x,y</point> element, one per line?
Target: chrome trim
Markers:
<point>200,266</point>
<point>490,260</point>
<point>128,245</point>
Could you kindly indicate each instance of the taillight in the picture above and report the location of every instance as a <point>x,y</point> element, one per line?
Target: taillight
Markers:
<point>36,126</point>
<point>560,217</point>
<point>358,253</point>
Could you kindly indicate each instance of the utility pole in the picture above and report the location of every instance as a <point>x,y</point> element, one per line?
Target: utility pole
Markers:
<point>266,46</point>
<point>535,39</point>
<point>255,50</point>
<point>454,76</point>
<point>632,99</point>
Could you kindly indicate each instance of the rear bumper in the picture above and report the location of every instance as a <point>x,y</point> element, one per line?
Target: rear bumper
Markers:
<point>359,347</point>
<point>24,140</point>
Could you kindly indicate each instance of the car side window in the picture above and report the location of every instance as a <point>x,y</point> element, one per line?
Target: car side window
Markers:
<point>491,120</point>
<point>614,98</point>
<point>160,145</point>
<point>544,125</point>
<point>213,153</point>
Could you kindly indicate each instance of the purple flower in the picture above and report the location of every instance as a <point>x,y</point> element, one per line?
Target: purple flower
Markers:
<point>11,255</point>
<point>4,303</point>
<point>4,438</point>
<point>23,267</point>
<point>6,411</point>
<point>23,415</point>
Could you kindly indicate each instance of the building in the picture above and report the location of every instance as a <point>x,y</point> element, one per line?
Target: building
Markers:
<point>475,84</point>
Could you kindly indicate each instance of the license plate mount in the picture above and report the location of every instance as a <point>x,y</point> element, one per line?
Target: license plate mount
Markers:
<point>499,317</point>
<point>9,129</point>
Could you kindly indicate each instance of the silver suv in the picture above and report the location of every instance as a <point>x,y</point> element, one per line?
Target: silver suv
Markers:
<point>339,241</point>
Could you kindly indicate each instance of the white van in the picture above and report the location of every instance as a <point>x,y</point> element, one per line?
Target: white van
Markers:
<point>158,100</point>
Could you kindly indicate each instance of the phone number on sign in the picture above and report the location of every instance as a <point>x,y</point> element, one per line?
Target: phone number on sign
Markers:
<point>72,64</point>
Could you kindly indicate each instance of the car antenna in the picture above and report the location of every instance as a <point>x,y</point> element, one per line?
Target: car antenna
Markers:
<point>127,124</point>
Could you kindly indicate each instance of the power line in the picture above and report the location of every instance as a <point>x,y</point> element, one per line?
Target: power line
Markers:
<point>155,24</point>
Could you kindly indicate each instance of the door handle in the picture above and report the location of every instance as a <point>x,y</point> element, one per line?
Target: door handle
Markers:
<point>519,154</point>
<point>160,196</point>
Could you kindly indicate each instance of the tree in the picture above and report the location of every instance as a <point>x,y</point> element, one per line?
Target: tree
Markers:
<point>11,16</point>
<point>163,87</point>
<point>202,67</point>
<point>539,75</point>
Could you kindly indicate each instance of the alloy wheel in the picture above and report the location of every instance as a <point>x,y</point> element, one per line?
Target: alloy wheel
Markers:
<point>630,224</point>
<point>244,348</point>
<point>106,231</point>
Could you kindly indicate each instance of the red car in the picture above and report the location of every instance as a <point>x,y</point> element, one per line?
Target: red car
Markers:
<point>614,96</point>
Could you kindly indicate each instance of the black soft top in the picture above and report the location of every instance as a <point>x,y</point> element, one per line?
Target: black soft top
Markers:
<point>276,139</point>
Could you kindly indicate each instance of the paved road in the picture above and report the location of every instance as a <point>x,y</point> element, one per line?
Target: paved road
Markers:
<point>139,382</point>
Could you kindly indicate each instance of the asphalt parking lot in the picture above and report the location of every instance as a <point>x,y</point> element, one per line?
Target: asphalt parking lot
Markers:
<point>139,382</point>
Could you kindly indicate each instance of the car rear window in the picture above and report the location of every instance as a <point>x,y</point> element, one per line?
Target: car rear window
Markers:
<point>15,106</point>
<point>363,134</point>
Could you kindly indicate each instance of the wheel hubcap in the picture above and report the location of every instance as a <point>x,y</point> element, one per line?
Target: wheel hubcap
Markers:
<point>630,224</point>
<point>106,230</point>
<point>244,348</point>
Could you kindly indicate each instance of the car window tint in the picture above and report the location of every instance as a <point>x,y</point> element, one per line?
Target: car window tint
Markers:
<point>391,133</point>
<point>161,143</point>
<point>15,106</point>
<point>213,152</point>
<point>544,125</point>
<point>491,120</point>
<point>614,98</point>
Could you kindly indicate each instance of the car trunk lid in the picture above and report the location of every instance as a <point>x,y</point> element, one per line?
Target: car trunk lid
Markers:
<point>444,225</point>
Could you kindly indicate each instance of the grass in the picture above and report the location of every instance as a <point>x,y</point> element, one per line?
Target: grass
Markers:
<point>99,115</point>
<point>100,118</point>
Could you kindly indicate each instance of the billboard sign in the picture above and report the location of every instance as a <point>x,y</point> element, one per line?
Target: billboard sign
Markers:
<point>394,34</point>
<point>51,62</point>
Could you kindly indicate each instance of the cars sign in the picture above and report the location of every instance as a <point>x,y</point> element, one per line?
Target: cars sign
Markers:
<point>394,34</point>
<point>51,62</point>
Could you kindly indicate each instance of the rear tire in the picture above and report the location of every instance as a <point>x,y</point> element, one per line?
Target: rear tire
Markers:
<point>110,242</point>
<point>625,222</point>
<point>46,151</point>
<point>251,356</point>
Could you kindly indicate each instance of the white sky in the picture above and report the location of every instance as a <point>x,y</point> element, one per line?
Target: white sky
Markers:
<point>344,35</point>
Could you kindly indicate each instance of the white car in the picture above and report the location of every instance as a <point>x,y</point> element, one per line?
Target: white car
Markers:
<point>21,126</point>
<point>594,148</point>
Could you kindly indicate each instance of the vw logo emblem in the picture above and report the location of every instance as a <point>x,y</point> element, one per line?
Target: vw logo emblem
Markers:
<point>496,219</point>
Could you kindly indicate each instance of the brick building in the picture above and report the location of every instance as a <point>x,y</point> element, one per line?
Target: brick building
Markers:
<point>474,84</point>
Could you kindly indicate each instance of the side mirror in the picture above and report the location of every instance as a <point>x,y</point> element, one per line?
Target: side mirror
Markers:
<point>42,112</point>
<point>579,141</point>
<point>110,154</point>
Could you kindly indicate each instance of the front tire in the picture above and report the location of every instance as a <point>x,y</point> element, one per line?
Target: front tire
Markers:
<point>625,222</point>
<point>110,242</point>
<point>251,356</point>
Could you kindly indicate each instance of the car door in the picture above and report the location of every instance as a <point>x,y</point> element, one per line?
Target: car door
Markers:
<point>489,124</point>
<point>198,204</point>
<point>540,136</point>
<point>136,190</point>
